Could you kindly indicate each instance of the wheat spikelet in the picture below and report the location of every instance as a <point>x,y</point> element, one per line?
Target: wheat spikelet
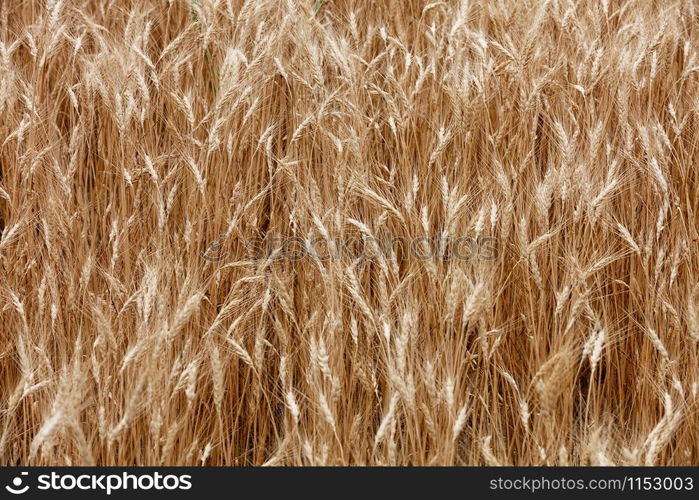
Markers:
<point>488,453</point>
<point>241,352</point>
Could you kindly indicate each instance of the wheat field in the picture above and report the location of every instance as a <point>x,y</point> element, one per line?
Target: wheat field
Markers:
<point>392,232</point>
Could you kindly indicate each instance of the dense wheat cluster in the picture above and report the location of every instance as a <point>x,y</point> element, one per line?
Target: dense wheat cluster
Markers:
<point>144,144</point>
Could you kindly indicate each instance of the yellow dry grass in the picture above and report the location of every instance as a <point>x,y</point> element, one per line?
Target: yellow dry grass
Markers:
<point>145,143</point>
